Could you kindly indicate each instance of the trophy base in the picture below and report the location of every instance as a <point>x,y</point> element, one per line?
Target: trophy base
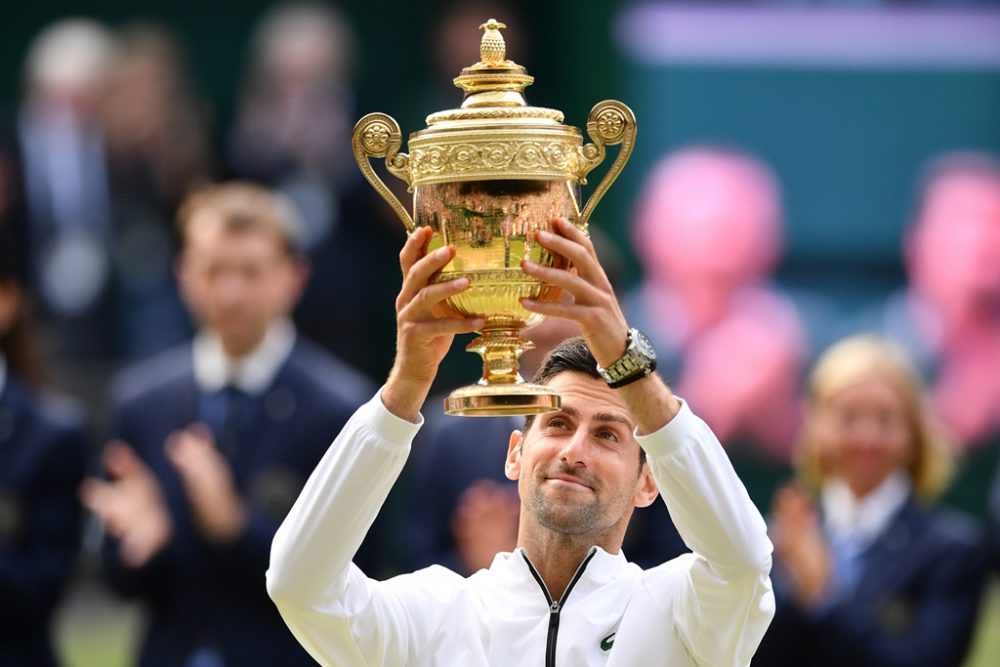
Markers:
<point>494,400</point>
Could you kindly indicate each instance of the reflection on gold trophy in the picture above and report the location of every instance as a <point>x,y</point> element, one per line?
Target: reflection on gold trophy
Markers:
<point>486,178</point>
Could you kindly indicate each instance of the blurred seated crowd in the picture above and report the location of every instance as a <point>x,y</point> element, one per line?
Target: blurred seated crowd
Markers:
<point>185,327</point>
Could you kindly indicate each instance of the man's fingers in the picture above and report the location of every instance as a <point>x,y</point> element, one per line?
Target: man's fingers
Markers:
<point>414,248</point>
<point>94,494</point>
<point>195,458</point>
<point>426,299</point>
<point>445,326</point>
<point>420,274</point>
<point>568,280</point>
<point>566,227</point>
<point>571,243</point>
<point>567,311</point>
<point>121,461</point>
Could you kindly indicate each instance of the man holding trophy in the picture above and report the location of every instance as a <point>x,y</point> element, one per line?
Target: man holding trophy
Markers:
<point>604,433</point>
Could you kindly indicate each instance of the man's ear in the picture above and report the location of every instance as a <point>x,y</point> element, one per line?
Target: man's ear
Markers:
<point>645,489</point>
<point>512,468</point>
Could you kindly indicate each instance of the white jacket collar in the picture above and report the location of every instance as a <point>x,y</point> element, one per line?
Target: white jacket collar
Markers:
<point>252,373</point>
<point>861,520</point>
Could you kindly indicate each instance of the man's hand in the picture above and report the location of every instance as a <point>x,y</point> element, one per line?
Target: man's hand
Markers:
<point>425,327</point>
<point>217,508</point>
<point>485,523</point>
<point>595,308</point>
<point>131,505</point>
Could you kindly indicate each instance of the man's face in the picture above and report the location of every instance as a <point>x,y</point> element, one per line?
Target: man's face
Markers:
<point>578,469</point>
<point>237,282</point>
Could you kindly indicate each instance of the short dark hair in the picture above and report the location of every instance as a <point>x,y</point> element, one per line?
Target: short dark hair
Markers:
<point>573,355</point>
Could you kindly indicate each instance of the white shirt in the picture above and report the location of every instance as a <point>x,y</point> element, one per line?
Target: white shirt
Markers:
<point>858,521</point>
<point>251,373</point>
<point>710,608</point>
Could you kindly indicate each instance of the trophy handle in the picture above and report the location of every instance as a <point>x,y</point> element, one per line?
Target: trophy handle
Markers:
<point>610,123</point>
<point>378,135</point>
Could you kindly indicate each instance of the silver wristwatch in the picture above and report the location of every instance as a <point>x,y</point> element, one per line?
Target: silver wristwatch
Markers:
<point>638,361</point>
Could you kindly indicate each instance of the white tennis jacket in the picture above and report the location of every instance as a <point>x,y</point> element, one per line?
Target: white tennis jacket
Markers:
<point>709,608</point>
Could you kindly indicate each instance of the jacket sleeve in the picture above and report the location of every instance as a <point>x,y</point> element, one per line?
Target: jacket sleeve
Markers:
<point>726,602</point>
<point>337,613</point>
<point>34,572</point>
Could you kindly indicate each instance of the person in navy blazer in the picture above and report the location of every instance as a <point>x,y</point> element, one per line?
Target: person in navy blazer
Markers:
<point>870,573</point>
<point>213,441</point>
<point>43,450</point>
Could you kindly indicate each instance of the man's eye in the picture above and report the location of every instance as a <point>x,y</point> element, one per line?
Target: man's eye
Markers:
<point>608,435</point>
<point>557,423</point>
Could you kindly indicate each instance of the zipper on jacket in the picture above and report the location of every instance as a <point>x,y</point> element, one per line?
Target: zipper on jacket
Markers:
<point>555,606</point>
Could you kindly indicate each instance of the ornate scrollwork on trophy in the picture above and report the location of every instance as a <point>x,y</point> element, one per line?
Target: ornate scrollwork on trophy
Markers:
<point>378,135</point>
<point>503,113</point>
<point>610,123</point>
<point>551,157</point>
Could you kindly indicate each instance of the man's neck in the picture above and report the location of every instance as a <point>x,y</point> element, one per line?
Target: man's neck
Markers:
<point>237,349</point>
<point>557,557</point>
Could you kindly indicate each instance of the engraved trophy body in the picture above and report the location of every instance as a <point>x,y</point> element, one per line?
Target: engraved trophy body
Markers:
<point>486,178</point>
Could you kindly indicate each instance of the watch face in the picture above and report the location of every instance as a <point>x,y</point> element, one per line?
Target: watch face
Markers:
<point>644,345</point>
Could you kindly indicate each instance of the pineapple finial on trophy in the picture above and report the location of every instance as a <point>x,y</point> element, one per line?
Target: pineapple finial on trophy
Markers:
<point>492,50</point>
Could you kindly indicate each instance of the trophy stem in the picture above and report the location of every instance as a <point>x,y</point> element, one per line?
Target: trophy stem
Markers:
<point>501,391</point>
<point>501,351</point>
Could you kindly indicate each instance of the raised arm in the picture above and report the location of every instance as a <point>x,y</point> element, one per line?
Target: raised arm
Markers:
<point>424,327</point>
<point>340,616</point>
<point>726,602</point>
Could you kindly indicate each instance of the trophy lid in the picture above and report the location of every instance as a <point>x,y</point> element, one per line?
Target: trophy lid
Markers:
<point>495,135</point>
<point>494,86</point>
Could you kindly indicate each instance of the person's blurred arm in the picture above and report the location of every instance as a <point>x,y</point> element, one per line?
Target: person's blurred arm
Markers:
<point>34,571</point>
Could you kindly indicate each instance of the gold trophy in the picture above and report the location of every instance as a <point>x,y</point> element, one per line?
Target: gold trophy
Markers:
<point>487,177</point>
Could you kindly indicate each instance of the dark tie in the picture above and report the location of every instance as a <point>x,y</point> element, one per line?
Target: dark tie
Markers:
<point>235,420</point>
<point>227,413</point>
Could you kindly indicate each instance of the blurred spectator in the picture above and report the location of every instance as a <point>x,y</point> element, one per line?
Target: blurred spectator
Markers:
<point>108,141</point>
<point>708,232</point>
<point>42,458</point>
<point>948,317</point>
<point>293,125</point>
<point>214,440</point>
<point>462,510</point>
<point>61,201</point>
<point>156,135</point>
<point>869,573</point>
<point>293,131</point>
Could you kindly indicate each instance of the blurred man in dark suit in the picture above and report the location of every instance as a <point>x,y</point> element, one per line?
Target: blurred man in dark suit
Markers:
<point>214,440</point>
<point>42,456</point>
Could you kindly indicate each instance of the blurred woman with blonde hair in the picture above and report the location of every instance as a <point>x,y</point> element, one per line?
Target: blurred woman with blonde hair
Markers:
<point>867,571</point>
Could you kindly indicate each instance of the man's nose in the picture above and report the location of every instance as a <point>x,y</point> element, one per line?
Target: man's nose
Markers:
<point>231,288</point>
<point>574,449</point>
